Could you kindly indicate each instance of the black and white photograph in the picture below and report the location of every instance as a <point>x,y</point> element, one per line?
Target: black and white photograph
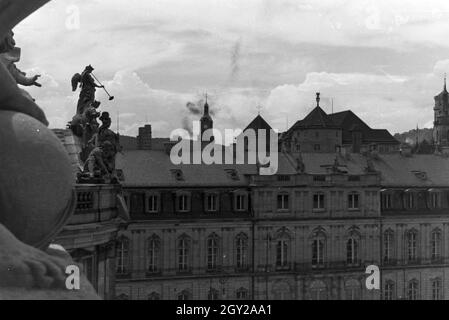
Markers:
<point>226,155</point>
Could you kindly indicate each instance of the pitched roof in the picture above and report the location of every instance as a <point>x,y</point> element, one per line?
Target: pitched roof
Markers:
<point>258,123</point>
<point>348,121</point>
<point>151,168</point>
<point>400,171</point>
<point>317,118</point>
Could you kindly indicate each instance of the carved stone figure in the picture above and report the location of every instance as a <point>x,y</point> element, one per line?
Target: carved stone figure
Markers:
<point>11,96</point>
<point>88,87</point>
<point>10,56</point>
<point>35,167</point>
<point>85,126</point>
<point>101,163</point>
<point>106,134</point>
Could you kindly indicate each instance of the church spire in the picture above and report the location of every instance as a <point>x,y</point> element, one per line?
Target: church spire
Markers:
<point>445,90</point>
<point>206,107</point>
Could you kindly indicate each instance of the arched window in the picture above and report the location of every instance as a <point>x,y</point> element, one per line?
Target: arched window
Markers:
<point>389,290</point>
<point>282,249</point>
<point>184,295</point>
<point>213,294</point>
<point>241,245</point>
<point>282,253</point>
<point>436,289</point>
<point>318,290</point>
<point>388,249</point>
<point>242,294</point>
<point>413,290</point>
<point>353,290</point>
<point>123,256</point>
<point>412,243</point>
<point>212,251</point>
<point>318,243</point>
<point>352,248</point>
<point>184,253</point>
<point>154,296</point>
<point>153,253</point>
<point>435,243</point>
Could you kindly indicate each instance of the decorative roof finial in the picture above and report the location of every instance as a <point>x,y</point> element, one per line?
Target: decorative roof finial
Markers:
<point>317,99</point>
<point>445,81</point>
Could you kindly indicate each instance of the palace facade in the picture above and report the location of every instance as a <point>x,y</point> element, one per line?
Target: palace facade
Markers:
<point>345,196</point>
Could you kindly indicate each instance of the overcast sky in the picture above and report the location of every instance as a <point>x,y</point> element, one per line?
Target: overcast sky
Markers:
<point>385,60</point>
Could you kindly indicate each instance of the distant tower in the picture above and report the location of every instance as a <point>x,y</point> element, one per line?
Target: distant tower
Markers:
<point>206,120</point>
<point>441,119</point>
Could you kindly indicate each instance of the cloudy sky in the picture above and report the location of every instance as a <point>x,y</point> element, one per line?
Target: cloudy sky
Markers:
<point>385,60</point>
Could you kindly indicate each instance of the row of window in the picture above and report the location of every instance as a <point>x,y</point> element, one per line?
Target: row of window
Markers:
<point>409,200</point>
<point>184,253</point>
<point>412,290</point>
<point>183,202</point>
<point>319,201</point>
<point>213,253</point>
<point>318,245</point>
<point>213,294</point>
<point>411,245</point>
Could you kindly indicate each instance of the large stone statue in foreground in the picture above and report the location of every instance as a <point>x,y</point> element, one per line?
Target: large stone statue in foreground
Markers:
<point>36,184</point>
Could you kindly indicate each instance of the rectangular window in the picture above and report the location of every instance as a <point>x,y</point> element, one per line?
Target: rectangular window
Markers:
<point>282,202</point>
<point>318,202</point>
<point>385,201</point>
<point>211,202</point>
<point>316,147</point>
<point>152,203</point>
<point>353,201</point>
<point>435,200</point>
<point>240,200</point>
<point>409,199</point>
<point>183,203</point>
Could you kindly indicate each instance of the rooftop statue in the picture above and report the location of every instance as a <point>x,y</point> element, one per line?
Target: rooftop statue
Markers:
<point>88,87</point>
<point>36,184</point>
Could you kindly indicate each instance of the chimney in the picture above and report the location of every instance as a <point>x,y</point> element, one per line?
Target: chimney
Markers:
<point>144,138</point>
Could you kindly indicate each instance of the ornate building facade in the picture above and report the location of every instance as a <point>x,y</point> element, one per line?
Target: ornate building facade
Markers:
<point>308,232</point>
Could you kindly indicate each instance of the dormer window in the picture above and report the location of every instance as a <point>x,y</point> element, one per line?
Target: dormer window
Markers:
<point>420,175</point>
<point>232,173</point>
<point>177,174</point>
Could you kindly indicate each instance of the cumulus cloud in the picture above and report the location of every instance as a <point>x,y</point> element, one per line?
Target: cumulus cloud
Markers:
<point>383,59</point>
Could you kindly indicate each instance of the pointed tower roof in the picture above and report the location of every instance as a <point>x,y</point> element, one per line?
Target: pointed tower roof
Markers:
<point>444,92</point>
<point>258,123</point>
<point>206,114</point>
